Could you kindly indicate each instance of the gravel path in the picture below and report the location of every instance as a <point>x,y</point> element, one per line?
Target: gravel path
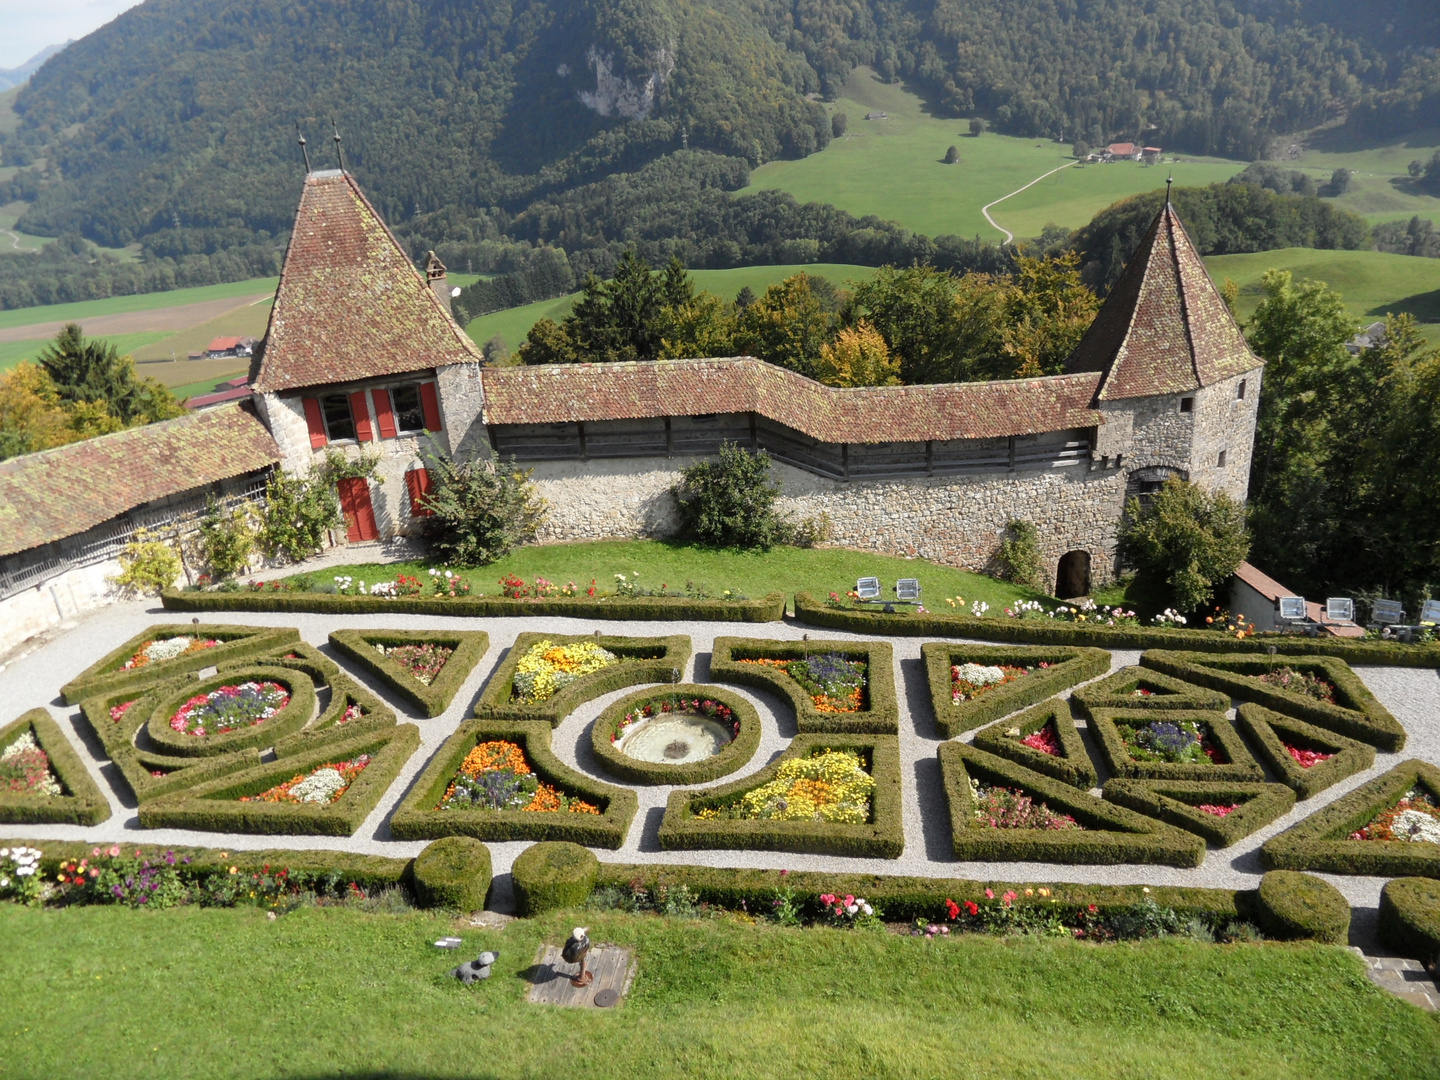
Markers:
<point>1412,695</point>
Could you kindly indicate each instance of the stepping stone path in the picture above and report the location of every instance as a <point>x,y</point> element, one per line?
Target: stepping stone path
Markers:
<point>1406,979</point>
<point>612,966</point>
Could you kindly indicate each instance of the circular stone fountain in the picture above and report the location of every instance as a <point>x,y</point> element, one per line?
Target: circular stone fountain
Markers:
<point>674,739</point>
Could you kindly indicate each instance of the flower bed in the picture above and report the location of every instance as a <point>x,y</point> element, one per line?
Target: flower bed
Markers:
<point>1325,841</point>
<point>1043,738</point>
<point>158,650</point>
<point>636,660</point>
<point>322,785</point>
<point>425,667</point>
<point>972,685</point>
<point>833,686</point>
<point>969,680</point>
<point>1304,683</point>
<point>42,778</point>
<point>1034,806</point>
<point>713,702</point>
<point>1172,745</point>
<point>1223,812</point>
<point>1307,758</point>
<point>250,705</point>
<point>229,707</point>
<point>827,794</point>
<point>499,780</point>
<point>1414,818</point>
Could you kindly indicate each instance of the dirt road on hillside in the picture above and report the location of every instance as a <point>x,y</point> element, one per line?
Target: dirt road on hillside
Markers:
<point>180,317</point>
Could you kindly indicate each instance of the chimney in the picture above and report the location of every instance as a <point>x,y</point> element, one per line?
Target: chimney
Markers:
<point>435,275</point>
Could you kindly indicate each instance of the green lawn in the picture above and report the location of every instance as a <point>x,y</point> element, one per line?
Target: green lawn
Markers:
<point>1372,282</point>
<point>115,305</point>
<point>788,570</point>
<point>13,352</point>
<point>892,168</point>
<point>334,992</point>
<point>514,323</point>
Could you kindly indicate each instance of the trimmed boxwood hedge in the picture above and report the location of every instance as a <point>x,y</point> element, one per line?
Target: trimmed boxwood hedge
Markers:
<point>553,875</point>
<point>453,872</point>
<point>882,717</point>
<point>1111,834</point>
<point>1175,802</point>
<point>1321,842</point>
<point>1051,632</point>
<point>417,819</point>
<point>903,899</point>
<point>1242,765</point>
<point>1410,917</point>
<point>1073,766</point>
<point>432,700</point>
<point>883,837</point>
<point>214,806</point>
<point>1266,728</point>
<point>1068,666</point>
<point>1117,691</point>
<point>1357,714</point>
<point>642,660</point>
<point>736,754</point>
<point>295,715</point>
<point>769,608</point>
<point>82,803</point>
<point>1292,907</point>
<point>239,642</point>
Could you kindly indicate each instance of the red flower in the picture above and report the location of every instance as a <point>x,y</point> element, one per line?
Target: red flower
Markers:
<point>952,909</point>
<point>972,908</point>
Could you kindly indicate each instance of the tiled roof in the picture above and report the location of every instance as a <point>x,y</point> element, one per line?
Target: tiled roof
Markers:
<point>1261,582</point>
<point>62,492</point>
<point>547,394</point>
<point>350,305</point>
<point>1164,328</point>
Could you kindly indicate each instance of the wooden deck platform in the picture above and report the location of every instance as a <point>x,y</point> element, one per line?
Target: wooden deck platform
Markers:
<point>612,966</point>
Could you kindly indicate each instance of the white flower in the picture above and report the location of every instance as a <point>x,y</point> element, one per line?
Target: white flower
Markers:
<point>320,786</point>
<point>852,909</point>
<point>980,675</point>
<point>1416,825</point>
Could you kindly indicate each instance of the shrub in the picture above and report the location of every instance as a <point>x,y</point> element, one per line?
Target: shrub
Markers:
<point>1180,803</point>
<point>1109,833</point>
<point>733,756</point>
<point>1240,764</point>
<point>1410,917</point>
<point>1018,558</point>
<point>879,715</point>
<point>296,515</point>
<point>952,155</point>
<point>1071,765</point>
<point>227,539</point>
<point>467,647</point>
<point>290,718</point>
<point>79,801</point>
<point>480,509</point>
<point>1270,732</point>
<point>1063,668</point>
<point>730,502</point>
<point>553,875</point>
<point>148,565</point>
<point>1187,538</point>
<point>1144,688</point>
<point>453,872</point>
<point>1293,906</point>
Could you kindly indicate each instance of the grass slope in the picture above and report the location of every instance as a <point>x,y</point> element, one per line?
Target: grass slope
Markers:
<point>787,570</point>
<point>892,168</point>
<point>1380,189</point>
<point>116,305</point>
<point>224,993</point>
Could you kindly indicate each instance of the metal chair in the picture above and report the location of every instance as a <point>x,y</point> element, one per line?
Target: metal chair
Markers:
<point>867,589</point>
<point>907,590</point>
<point>1340,609</point>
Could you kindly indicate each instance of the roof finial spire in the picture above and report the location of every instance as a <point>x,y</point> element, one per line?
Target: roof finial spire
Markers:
<point>340,154</point>
<point>1169,180</point>
<point>303,151</point>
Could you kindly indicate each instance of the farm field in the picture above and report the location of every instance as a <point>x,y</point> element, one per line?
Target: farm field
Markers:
<point>893,169</point>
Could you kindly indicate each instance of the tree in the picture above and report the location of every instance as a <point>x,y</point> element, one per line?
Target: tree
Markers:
<point>1018,557</point>
<point>31,416</point>
<point>93,371</point>
<point>480,509</point>
<point>296,516</point>
<point>977,127</point>
<point>838,125</point>
<point>1338,184</point>
<point>787,326</point>
<point>1186,539</point>
<point>1046,313</point>
<point>730,502</point>
<point>952,155</point>
<point>227,539</point>
<point>1081,149</point>
<point>858,357</point>
<point>704,326</point>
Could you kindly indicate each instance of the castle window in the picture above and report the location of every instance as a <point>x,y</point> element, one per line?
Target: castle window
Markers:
<point>1240,390</point>
<point>409,415</point>
<point>1187,404</point>
<point>1220,461</point>
<point>339,421</point>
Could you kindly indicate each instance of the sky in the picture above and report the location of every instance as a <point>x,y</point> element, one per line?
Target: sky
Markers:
<point>30,25</point>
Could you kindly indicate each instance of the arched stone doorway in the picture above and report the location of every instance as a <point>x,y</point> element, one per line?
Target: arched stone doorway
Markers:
<point>1072,577</point>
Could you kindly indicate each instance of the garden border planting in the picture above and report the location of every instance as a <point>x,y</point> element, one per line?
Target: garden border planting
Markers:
<point>1242,765</point>
<point>1265,726</point>
<point>1068,667</point>
<point>344,692</point>
<point>1290,906</point>
<point>1117,691</point>
<point>881,718</point>
<point>1111,834</point>
<point>214,806</point>
<point>1074,766</point>
<point>296,714</point>
<point>494,701</point>
<point>469,647</point>
<point>416,818</point>
<point>735,755</point>
<point>239,642</point>
<point>1321,842</point>
<point>1172,801</point>
<point>769,608</point>
<point>1051,632</point>
<point>1365,719</point>
<point>82,803</point>
<point>882,837</point>
<point>1410,917</point>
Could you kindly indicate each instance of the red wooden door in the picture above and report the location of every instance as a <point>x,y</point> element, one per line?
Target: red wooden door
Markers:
<point>355,504</point>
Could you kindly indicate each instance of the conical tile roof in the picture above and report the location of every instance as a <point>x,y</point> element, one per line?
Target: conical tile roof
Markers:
<point>350,304</point>
<point>1164,328</point>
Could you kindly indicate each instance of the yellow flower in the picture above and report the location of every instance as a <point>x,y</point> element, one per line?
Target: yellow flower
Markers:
<point>234,870</point>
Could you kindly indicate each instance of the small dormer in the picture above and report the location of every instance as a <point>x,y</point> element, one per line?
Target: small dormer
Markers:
<point>435,275</point>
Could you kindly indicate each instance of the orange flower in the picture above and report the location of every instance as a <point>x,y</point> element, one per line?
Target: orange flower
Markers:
<point>494,756</point>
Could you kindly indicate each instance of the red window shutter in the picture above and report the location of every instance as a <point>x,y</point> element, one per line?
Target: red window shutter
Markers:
<point>360,410</point>
<point>315,421</point>
<point>417,482</point>
<point>430,405</point>
<point>384,414</point>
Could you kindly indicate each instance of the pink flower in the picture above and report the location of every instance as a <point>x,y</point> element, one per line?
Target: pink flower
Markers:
<point>989,894</point>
